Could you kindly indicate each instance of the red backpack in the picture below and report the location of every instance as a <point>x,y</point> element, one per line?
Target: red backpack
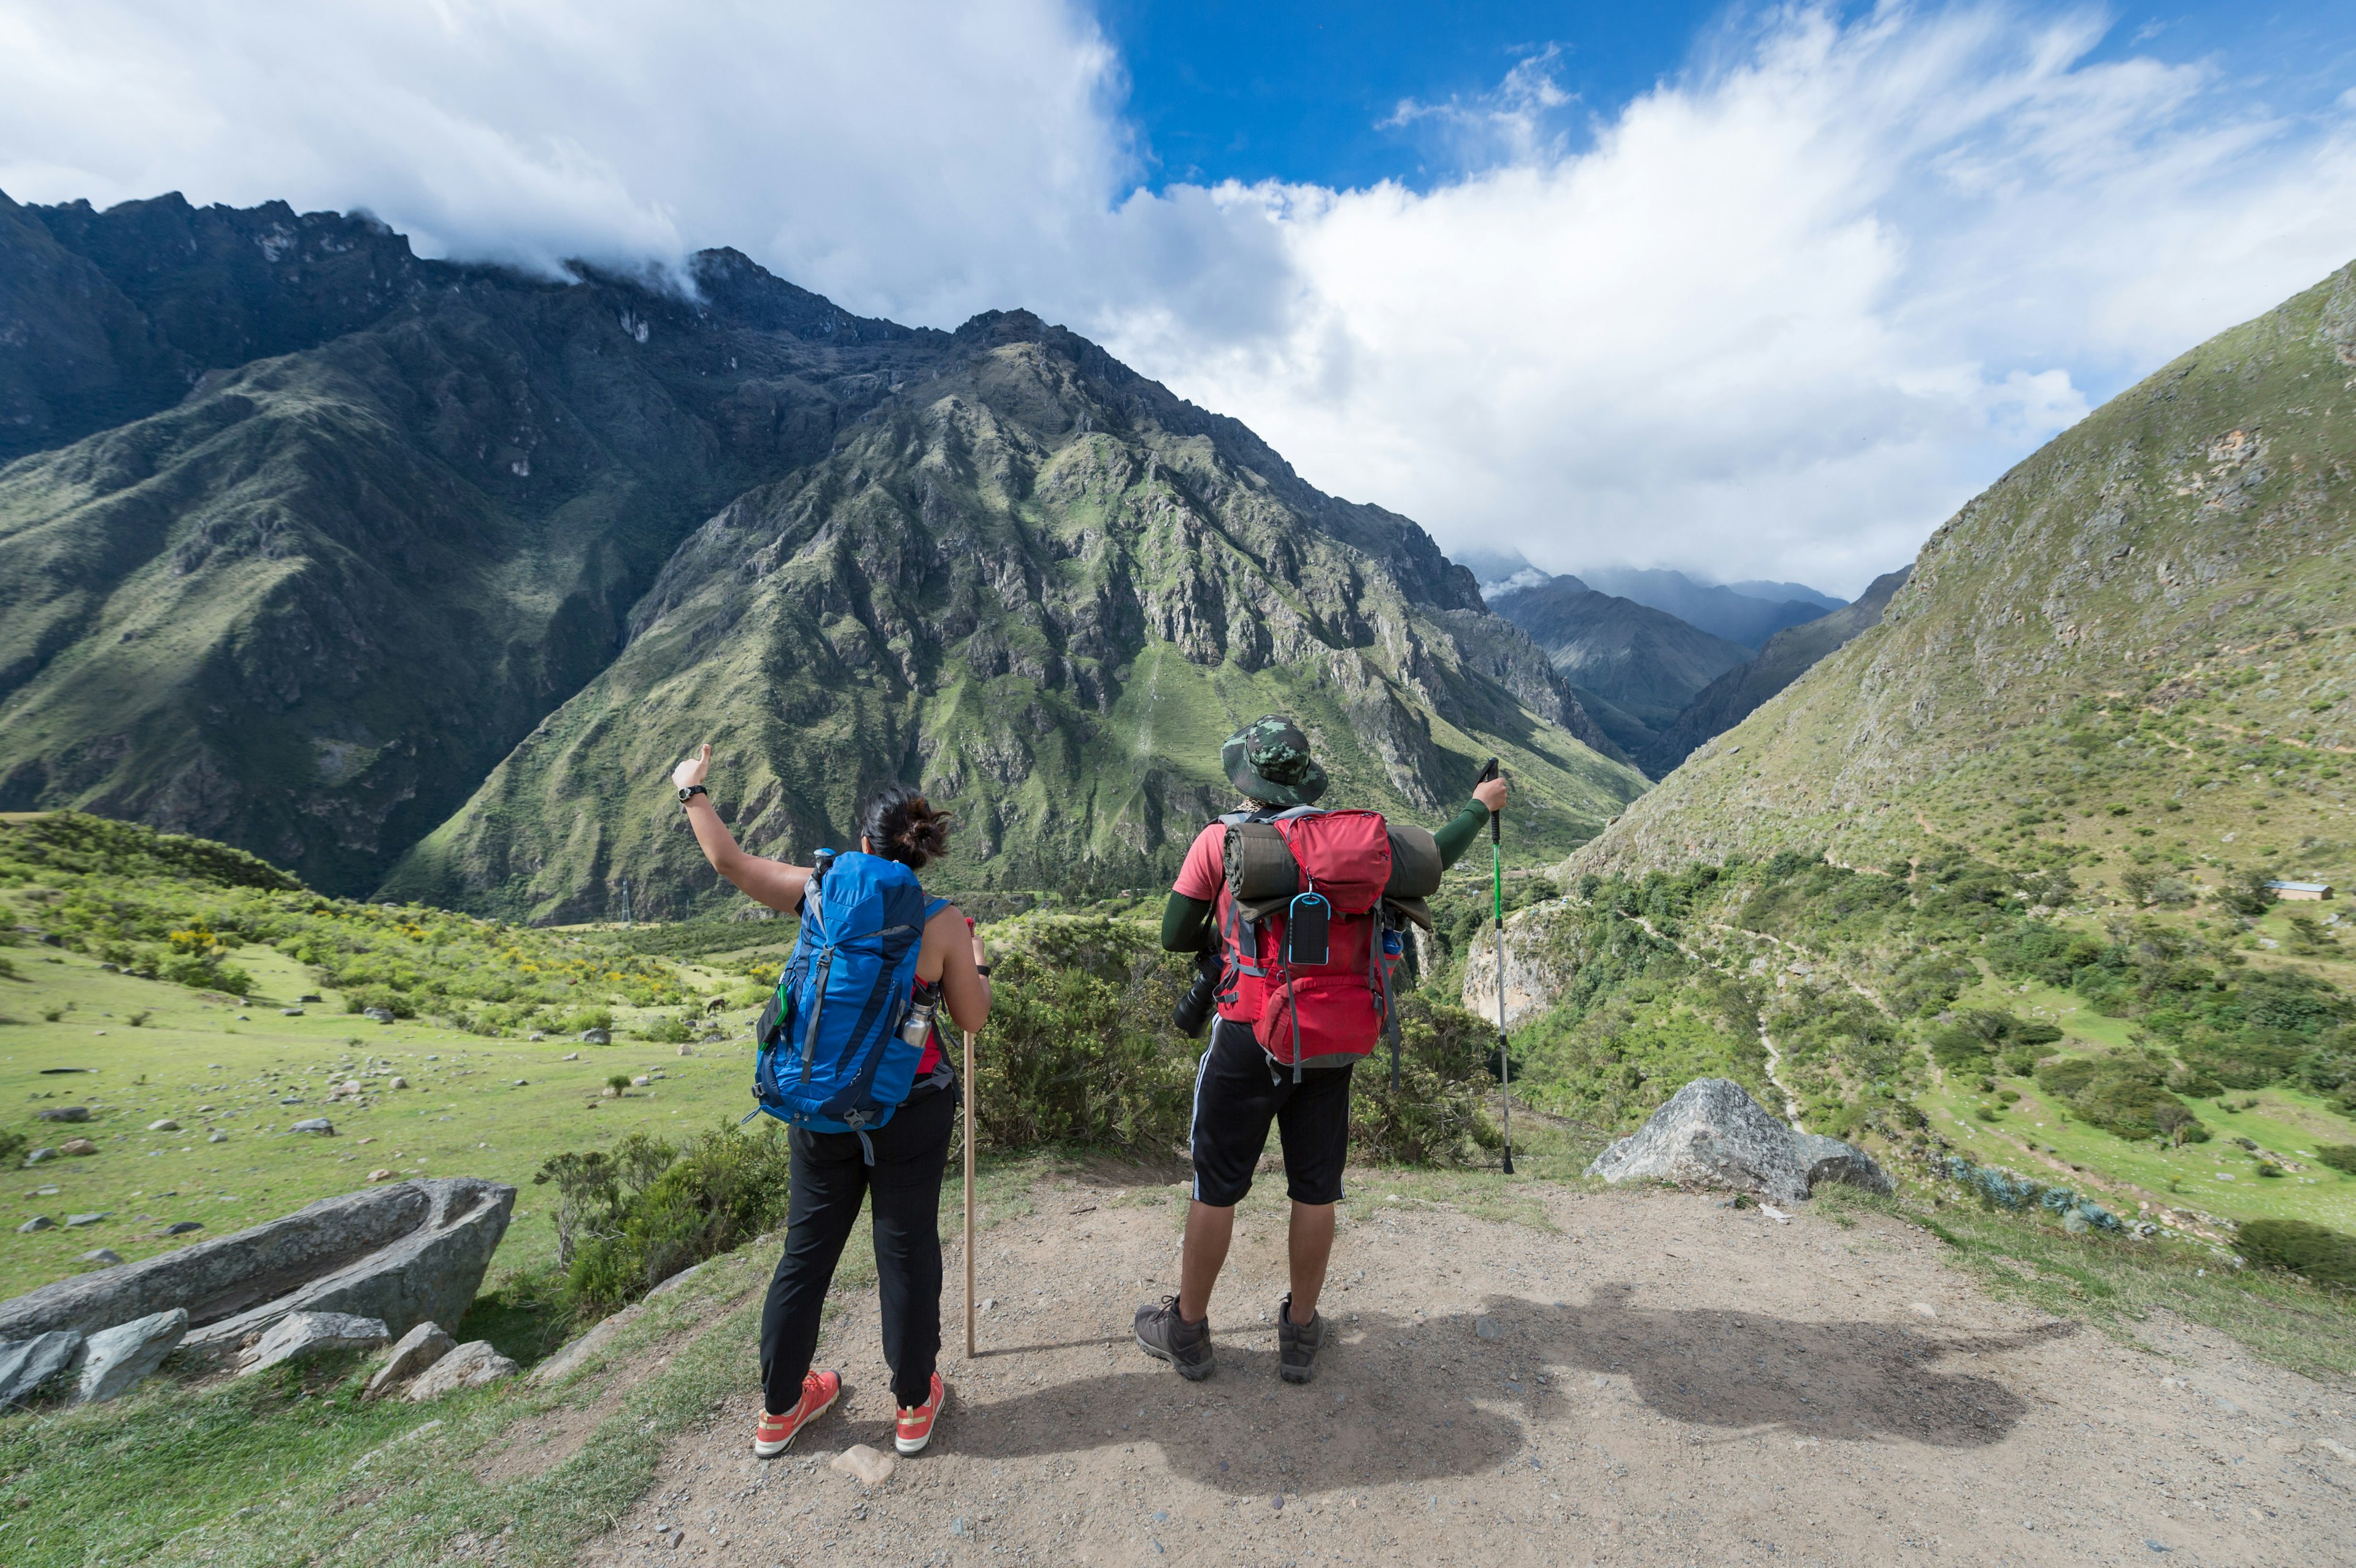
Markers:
<point>1285,876</point>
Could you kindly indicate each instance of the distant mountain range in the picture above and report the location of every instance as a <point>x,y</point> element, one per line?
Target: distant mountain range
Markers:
<point>1656,683</point>
<point>408,574</point>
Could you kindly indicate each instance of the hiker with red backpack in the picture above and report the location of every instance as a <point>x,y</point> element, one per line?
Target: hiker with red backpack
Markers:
<point>849,1057</point>
<point>1306,908</point>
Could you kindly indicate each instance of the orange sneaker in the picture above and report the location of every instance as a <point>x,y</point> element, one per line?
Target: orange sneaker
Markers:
<point>916,1424</point>
<point>773,1433</point>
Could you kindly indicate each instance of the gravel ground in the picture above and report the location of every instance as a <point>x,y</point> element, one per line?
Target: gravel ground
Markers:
<point>1671,1381</point>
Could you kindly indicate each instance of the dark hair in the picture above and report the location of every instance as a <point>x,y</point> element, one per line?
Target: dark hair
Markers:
<point>903,825</point>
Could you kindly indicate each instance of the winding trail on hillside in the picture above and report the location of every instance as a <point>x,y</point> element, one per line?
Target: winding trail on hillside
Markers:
<point>1669,1381</point>
<point>1766,1040</point>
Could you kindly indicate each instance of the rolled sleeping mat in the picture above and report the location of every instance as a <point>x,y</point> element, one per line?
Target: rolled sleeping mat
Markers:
<point>1259,864</point>
<point>1415,862</point>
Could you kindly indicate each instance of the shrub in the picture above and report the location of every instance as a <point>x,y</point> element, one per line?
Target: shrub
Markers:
<point>581,1018</point>
<point>1960,1049</point>
<point>665,1029</point>
<point>361,999</point>
<point>1438,1116</point>
<point>13,1145</point>
<point>2323,1255</point>
<point>2338,1156</point>
<point>2121,1095</point>
<point>628,1220</point>
<point>1080,1047</point>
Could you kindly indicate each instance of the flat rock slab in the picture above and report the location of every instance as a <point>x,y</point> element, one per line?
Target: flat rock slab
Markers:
<point>1713,1134</point>
<point>299,1336</point>
<point>419,1349</point>
<point>405,1253</point>
<point>28,1366</point>
<point>116,1360</point>
<point>470,1365</point>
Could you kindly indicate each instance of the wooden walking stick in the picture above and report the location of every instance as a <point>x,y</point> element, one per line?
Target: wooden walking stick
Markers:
<point>969,1195</point>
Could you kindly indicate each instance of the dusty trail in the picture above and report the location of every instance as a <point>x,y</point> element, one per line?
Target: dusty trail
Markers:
<point>1673,1381</point>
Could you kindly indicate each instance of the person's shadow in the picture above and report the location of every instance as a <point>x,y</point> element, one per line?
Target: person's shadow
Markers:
<point>1399,1400</point>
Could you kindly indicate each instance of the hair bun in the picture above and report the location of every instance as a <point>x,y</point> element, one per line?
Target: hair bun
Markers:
<point>902,826</point>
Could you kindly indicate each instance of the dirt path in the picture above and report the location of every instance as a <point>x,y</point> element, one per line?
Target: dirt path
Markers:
<point>1671,1381</point>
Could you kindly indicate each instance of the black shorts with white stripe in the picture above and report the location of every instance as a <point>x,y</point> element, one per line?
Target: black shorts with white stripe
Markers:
<point>1237,1091</point>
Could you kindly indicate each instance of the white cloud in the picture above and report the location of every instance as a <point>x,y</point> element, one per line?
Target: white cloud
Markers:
<point>1774,318</point>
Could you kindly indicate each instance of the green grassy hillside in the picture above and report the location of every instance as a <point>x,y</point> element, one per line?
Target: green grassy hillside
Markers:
<point>2130,655</point>
<point>2190,1067</point>
<point>1045,590</point>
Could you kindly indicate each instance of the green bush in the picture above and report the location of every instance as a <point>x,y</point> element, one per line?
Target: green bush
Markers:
<point>665,1029</point>
<point>628,1220</point>
<point>360,999</point>
<point>1080,1047</point>
<point>2121,1095</point>
<point>2323,1255</point>
<point>2338,1156</point>
<point>13,1145</point>
<point>1960,1049</point>
<point>1438,1116</point>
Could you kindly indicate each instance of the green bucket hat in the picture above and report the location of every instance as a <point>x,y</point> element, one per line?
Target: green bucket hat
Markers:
<point>1269,760</point>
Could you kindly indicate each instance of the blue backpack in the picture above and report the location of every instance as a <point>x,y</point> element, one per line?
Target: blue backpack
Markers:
<point>830,1057</point>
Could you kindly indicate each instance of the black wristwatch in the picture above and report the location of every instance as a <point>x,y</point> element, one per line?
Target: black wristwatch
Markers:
<point>690,792</point>
<point>983,970</point>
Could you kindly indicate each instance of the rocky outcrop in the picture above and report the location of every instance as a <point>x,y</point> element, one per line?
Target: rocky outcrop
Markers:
<point>1713,1134</point>
<point>402,1254</point>
<point>1544,947</point>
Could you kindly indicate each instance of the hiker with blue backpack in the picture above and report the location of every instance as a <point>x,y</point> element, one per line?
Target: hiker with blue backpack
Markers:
<point>849,1056</point>
<point>1299,916</point>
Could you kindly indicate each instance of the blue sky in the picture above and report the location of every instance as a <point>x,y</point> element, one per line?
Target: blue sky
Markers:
<point>1750,291</point>
<point>1220,90</point>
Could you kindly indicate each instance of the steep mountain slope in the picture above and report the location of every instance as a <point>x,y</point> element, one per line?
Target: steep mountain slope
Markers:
<point>2131,654</point>
<point>1634,668</point>
<point>307,607</point>
<point>1045,589</point>
<point>1787,656</point>
<point>1720,611</point>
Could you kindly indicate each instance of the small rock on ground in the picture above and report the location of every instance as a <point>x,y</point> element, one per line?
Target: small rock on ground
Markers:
<point>419,1349</point>
<point>469,1366</point>
<point>299,1336</point>
<point>871,1469</point>
<point>27,1366</point>
<point>116,1360</point>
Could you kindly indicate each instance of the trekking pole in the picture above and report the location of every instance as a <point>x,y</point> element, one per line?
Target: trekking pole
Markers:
<point>969,1195</point>
<point>1497,909</point>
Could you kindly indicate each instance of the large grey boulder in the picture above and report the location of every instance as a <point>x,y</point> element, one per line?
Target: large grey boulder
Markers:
<point>27,1366</point>
<point>404,1254</point>
<point>1713,1134</point>
<point>299,1336</point>
<point>116,1360</point>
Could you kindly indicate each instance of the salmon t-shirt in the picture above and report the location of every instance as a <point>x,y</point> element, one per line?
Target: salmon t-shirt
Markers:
<point>1204,870</point>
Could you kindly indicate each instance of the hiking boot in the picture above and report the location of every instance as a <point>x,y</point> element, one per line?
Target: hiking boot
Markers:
<point>914,1427</point>
<point>772,1434</point>
<point>1161,1333</point>
<point>1297,1344</point>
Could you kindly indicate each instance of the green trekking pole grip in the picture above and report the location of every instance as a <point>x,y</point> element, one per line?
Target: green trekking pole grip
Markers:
<point>1498,914</point>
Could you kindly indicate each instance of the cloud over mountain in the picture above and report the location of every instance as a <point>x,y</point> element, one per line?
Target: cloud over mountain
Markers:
<point>1776,317</point>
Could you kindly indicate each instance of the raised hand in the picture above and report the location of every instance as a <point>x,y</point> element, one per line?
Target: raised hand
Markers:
<point>691,771</point>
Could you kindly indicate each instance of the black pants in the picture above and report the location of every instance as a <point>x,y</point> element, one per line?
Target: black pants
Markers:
<point>831,1177</point>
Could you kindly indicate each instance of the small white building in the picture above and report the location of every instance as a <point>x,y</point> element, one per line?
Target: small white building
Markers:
<point>2296,891</point>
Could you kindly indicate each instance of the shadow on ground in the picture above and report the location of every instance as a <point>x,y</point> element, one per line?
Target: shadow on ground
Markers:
<point>1400,1400</point>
